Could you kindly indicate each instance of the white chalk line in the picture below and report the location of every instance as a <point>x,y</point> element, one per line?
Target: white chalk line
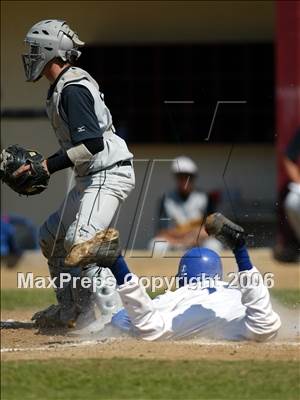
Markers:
<point>238,344</point>
<point>103,341</point>
<point>56,346</point>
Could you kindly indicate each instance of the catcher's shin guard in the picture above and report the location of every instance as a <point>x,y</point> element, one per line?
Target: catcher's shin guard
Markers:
<point>103,290</point>
<point>75,308</point>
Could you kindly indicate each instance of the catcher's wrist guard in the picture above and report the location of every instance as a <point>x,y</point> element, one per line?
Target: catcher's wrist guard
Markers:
<point>31,182</point>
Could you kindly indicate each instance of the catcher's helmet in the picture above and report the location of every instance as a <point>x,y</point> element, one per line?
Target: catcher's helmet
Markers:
<point>199,262</point>
<point>45,41</point>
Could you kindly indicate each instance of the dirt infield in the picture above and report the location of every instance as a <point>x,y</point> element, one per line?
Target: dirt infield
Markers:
<point>130,348</point>
<point>25,342</point>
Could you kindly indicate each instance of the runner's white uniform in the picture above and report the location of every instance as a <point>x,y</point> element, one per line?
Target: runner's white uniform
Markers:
<point>221,313</point>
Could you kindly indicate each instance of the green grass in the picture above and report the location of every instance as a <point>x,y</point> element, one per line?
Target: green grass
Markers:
<point>12,299</point>
<point>144,379</point>
<point>151,379</point>
<point>288,297</point>
<point>38,298</point>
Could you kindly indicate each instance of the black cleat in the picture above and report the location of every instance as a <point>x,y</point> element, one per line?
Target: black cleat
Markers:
<point>228,233</point>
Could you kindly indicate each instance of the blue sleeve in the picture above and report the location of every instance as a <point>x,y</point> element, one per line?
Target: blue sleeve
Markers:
<point>77,103</point>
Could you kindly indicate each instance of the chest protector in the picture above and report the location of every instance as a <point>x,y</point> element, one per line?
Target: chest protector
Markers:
<point>115,148</point>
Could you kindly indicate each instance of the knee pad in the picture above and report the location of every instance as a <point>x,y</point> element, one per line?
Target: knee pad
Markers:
<point>51,241</point>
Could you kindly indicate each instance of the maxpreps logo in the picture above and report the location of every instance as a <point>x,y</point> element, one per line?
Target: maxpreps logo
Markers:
<point>29,281</point>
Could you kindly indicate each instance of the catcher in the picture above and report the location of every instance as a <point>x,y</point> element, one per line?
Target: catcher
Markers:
<point>73,238</point>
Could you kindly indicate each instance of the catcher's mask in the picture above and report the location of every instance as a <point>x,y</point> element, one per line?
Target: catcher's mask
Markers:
<point>197,263</point>
<point>45,41</point>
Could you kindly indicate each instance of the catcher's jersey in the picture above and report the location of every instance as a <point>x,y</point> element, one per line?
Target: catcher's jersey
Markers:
<point>215,313</point>
<point>115,148</point>
<point>175,210</point>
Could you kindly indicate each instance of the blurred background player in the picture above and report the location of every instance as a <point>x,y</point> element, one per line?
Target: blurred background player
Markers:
<point>289,249</point>
<point>292,166</point>
<point>17,234</point>
<point>182,212</point>
<point>9,246</point>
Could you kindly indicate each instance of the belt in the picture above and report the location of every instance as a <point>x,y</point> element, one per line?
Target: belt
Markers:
<point>123,163</point>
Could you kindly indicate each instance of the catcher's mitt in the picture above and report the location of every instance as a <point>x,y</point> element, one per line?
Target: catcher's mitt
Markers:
<point>31,182</point>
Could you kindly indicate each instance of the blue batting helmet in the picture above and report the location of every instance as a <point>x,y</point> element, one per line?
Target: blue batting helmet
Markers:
<point>199,262</point>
